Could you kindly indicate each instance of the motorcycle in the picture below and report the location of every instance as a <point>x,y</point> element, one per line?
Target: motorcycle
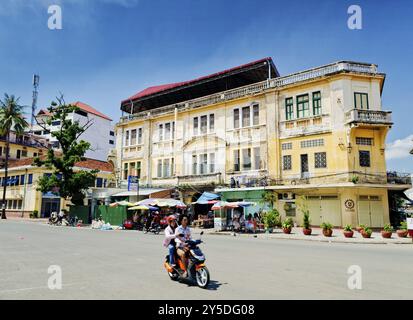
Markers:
<point>196,265</point>
<point>54,219</point>
<point>154,227</point>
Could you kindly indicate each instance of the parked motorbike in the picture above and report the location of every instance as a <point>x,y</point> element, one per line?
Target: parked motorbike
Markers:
<point>70,221</point>
<point>154,227</point>
<point>196,265</point>
<point>54,219</point>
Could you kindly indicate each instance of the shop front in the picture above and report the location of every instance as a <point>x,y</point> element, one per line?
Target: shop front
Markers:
<point>50,203</point>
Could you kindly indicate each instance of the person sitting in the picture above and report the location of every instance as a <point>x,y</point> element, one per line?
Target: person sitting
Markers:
<point>169,240</point>
<point>236,224</point>
<point>182,234</point>
<point>249,224</point>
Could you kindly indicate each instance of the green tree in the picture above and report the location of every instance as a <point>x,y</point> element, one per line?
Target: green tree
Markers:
<point>66,182</point>
<point>11,118</point>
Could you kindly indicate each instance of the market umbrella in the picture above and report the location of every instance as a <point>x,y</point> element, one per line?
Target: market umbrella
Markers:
<point>245,203</point>
<point>125,203</point>
<point>140,207</point>
<point>180,204</point>
<point>219,205</point>
<point>147,202</point>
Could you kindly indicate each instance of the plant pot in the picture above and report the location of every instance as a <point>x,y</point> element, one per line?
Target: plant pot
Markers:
<point>307,232</point>
<point>348,234</point>
<point>287,230</point>
<point>402,233</point>
<point>365,234</point>
<point>327,232</point>
<point>386,234</point>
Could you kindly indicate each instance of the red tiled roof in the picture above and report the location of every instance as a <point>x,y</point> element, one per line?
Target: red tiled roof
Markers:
<point>86,164</point>
<point>157,89</point>
<point>95,164</point>
<point>90,109</point>
<point>83,106</point>
<point>44,112</point>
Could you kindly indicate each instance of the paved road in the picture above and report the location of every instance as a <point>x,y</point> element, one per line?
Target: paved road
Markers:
<point>128,265</point>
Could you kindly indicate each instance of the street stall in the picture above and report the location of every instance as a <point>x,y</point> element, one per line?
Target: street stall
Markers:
<point>231,216</point>
<point>166,207</point>
<point>203,216</point>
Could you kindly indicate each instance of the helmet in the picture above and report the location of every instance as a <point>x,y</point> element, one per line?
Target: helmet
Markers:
<point>171,218</point>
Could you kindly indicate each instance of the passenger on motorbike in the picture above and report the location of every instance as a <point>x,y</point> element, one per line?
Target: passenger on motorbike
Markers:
<point>183,233</point>
<point>169,240</point>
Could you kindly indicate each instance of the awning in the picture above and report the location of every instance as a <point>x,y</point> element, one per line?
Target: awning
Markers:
<point>162,202</point>
<point>225,204</point>
<point>142,192</point>
<point>207,198</point>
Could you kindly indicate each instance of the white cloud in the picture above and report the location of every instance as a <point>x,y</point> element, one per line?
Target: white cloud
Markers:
<point>400,148</point>
<point>13,7</point>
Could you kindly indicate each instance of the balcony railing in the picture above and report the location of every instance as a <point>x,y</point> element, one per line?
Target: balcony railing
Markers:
<point>399,178</point>
<point>369,116</point>
<point>258,87</point>
<point>211,178</point>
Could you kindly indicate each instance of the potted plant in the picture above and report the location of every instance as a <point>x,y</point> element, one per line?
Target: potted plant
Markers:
<point>348,231</point>
<point>366,232</point>
<point>360,227</point>
<point>402,232</point>
<point>287,225</point>
<point>271,220</point>
<point>327,229</point>
<point>387,231</point>
<point>306,223</point>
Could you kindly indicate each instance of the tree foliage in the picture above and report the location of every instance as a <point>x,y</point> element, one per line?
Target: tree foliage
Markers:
<point>11,118</point>
<point>66,182</point>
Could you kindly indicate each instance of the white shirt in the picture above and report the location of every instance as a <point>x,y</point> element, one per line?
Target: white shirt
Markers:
<point>180,241</point>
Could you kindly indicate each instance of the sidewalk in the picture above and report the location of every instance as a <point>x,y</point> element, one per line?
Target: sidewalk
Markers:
<point>34,220</point>
<point>297,234</point>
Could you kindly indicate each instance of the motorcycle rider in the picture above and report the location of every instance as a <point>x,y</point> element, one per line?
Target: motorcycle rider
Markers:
<point>169,240</point>
<point>183,233</point>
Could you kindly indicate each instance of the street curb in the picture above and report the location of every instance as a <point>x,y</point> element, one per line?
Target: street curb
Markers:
<point>266,236</point>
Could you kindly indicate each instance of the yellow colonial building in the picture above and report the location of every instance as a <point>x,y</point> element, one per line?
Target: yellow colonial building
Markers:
<point>23,146</point>
<point>22,198</point>
<point>315,137</point>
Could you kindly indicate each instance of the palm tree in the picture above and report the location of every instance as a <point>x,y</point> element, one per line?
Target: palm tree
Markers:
<point>11,117</point>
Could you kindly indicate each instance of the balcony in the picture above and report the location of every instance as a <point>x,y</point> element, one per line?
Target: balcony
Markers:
<point>370,117</point>
<point>304,126</point>
<point>394,177</point>
<point>200,179</point>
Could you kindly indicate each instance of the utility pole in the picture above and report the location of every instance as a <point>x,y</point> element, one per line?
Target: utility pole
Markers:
<point>36,79</point>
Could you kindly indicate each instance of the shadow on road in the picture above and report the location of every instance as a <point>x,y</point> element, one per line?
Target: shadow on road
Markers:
<point>213,285</point>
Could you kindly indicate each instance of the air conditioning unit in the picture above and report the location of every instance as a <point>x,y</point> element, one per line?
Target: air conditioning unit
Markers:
<point>288,196</point>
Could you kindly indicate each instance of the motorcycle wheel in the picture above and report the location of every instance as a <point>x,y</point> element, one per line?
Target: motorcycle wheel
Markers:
<point>202,277</point>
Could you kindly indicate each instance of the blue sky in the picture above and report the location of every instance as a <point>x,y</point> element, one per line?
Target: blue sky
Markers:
<point>110,49</point>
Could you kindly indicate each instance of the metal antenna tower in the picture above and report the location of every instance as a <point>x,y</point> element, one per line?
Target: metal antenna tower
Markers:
<point>36,79</point>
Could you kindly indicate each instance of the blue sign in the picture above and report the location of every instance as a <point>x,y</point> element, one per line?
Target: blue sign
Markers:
<point>133,183</point>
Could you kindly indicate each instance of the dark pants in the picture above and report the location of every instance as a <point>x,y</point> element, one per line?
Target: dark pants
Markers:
<point>171,249</point>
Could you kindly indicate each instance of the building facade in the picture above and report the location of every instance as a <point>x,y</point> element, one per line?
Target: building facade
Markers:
<point>23,146</point>
<point>22,198</point>
<point>316,138</point>
<point>100,134</point>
